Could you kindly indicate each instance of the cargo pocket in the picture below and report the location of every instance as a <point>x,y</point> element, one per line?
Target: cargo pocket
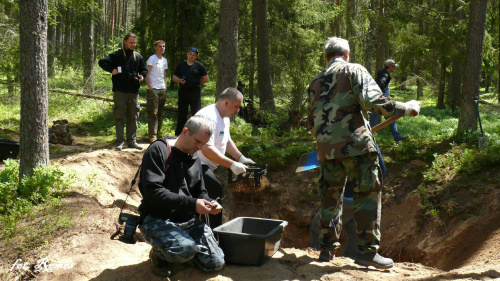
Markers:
<point>138,109</point>
<point>371,179</point>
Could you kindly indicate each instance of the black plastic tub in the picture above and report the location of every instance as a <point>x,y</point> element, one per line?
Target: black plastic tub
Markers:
<point>8,149</point>
<point>250,241</point>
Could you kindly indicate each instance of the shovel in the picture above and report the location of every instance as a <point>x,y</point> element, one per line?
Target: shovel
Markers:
<point>310,160</point>
<point>482,140</point>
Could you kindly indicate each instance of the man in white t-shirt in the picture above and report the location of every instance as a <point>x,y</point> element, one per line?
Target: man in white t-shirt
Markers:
<point>157,89</point>
<point>212,154</point>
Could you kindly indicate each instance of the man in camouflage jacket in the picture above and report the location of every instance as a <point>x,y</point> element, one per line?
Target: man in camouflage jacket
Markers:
<point>340,97</point>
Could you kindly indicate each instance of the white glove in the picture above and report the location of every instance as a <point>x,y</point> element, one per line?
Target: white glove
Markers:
<point>245,160</point>
<point>412,108</point>
<point>238,168</point>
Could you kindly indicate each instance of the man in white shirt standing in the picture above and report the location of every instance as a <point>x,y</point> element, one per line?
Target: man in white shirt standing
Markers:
<point>212,154</point>
<point>157,89</point>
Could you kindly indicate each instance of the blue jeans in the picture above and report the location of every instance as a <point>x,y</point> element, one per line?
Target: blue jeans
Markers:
<point>192,242</point>
<point>375,119</point>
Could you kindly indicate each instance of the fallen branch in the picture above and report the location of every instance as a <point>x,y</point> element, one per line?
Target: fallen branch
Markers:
<point>167,108</point>
<point>487,103</point>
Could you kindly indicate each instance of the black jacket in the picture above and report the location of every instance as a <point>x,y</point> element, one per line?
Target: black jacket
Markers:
<point>383,79</point>
<point>170,193</point>
<point>131,63</point>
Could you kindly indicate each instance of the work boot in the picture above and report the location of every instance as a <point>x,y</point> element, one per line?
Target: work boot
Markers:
<point>324,256</point>
<point>135,145</point>
<point>119,146</point>
<point>160,267</point>
<point>373,259</point>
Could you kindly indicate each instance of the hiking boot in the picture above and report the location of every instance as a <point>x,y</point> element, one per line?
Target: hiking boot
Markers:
<point>324,256</point>
<point>373,259</point>
<point>160,267</point>
<point>135,145</point>
<point>151,140</point>
<point>119,146</point>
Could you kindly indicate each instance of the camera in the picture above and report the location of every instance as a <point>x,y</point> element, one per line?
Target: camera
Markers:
<point>133,77</point>
<point>131,223</point>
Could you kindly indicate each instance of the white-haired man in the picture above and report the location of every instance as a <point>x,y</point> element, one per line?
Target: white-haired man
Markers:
<point>340,97</point>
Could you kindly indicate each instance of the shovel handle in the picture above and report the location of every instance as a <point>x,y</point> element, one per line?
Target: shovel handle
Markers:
<point>385,124</point>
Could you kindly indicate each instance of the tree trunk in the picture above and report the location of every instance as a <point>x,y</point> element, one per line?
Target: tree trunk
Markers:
<point>88,50</point>
<point>263,64</point>
<point>142,28</point>
<point>442,84</point>
<point>251,78</point>
<point>227,66</point>
<point>51,43</point>
<point>34,139</point>
<point>381,38</point>
<point>473,58</point>
<point>66,36</point>
<point>368,58</point>
<point>351,28</point>
<point>455,89</point>
<point>420,89</point>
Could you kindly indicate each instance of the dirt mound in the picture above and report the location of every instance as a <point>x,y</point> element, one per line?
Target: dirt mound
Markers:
<point>471,247</point>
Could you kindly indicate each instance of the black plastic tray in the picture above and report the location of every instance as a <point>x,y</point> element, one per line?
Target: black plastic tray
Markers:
<point>250,241</point>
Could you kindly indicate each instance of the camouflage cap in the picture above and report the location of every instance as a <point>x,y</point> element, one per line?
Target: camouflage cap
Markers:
<point>390,62</point>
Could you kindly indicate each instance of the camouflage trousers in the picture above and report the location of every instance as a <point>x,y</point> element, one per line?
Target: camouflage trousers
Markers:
<point>364,174</point>
<point>155,102</point>
<point>192,242</point>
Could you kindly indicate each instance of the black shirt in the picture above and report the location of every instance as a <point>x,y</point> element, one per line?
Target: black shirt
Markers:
<point>170,192</point>
<point>191,73</point>
<point>131,63</point>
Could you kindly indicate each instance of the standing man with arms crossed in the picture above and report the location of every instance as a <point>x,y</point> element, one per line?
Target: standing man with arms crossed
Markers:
<point>157,89</point>
<point>128,69</point>
<point>340,97</point>
<point>171,183</point>
<point>212,154</point>
<point>383,78</point>
<point>190,74</point>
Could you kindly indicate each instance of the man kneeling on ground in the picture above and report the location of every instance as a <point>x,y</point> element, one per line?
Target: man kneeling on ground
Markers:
<point>174,194</point>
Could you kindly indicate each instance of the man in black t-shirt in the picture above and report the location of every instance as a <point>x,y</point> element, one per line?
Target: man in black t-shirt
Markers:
<point>190,74</point>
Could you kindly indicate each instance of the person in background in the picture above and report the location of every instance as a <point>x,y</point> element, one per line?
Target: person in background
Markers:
<point>190,74</point>
<point>128,69</point>
<point>383,79</point>
<point>156,80</point>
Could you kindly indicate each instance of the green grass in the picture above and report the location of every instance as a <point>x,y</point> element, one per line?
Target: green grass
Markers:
<point>31,211</point>
<point>432,134</point>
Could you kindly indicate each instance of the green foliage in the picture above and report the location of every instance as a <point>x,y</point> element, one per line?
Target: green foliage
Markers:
<point>271,145</point>
<point>47,182</point>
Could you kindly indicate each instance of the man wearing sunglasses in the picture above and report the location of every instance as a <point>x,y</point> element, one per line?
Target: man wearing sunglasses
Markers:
<point>190,74</point>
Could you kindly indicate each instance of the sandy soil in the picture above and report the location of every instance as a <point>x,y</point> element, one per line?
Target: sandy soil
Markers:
<point>466,250</point>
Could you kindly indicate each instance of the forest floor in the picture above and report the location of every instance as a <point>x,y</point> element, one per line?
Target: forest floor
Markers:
<point>464,248</point>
